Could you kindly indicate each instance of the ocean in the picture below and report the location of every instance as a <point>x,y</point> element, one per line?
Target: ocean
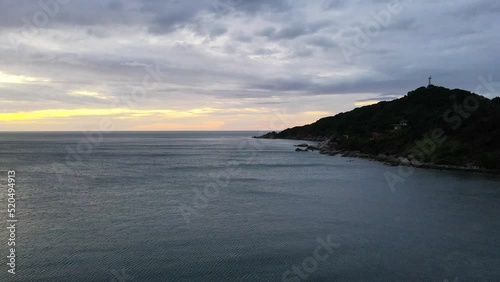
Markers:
<point>221,206</point>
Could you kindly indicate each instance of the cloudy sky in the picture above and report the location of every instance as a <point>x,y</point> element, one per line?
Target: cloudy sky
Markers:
<point>231,64</point>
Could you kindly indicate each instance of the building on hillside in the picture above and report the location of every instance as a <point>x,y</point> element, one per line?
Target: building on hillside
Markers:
<point>401,124</point>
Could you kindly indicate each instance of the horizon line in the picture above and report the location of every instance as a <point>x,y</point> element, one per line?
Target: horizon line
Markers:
<point>77,131</point>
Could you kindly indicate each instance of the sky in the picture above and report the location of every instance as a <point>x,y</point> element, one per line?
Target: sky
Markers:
<point>88,65</point>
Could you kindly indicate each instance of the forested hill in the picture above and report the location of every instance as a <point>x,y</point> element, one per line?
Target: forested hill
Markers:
<point>453,127</point>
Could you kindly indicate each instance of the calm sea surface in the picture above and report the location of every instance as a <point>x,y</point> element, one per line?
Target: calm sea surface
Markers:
<point>220,206</point>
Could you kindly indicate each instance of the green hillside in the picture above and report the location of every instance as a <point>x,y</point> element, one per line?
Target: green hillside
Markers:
<point>452,127</point>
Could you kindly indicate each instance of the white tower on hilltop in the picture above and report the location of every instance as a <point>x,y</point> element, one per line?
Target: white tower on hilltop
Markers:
<point>430,80</point>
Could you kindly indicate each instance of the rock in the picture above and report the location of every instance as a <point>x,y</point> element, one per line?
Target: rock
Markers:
<point>300,150</point>
<point>381,157</point>
<point>333,153</point>
<point>404,161</point>
<point>350,154</point>
<point>303,145</point>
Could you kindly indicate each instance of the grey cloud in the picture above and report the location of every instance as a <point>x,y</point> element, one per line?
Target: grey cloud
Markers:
<point>211,52</point>
<point>169,15</point>
<point>333,4</point>
<point>257,6</point>
<point>217,31</point>
<point>242,37</point>
<point>475,9</point>
<point>292,30</point>
<point>265,51</point>
<point>302,52</point>
<point>402,24</point>
<point>322,41</point>
<point>115,5</point>
<point>267,32</point>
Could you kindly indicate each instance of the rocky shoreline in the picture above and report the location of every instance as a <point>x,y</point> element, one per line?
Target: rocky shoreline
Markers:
<point>326,148</point>
<point>402,161</point>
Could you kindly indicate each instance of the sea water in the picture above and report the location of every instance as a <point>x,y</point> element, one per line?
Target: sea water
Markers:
<point>221,206</point>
